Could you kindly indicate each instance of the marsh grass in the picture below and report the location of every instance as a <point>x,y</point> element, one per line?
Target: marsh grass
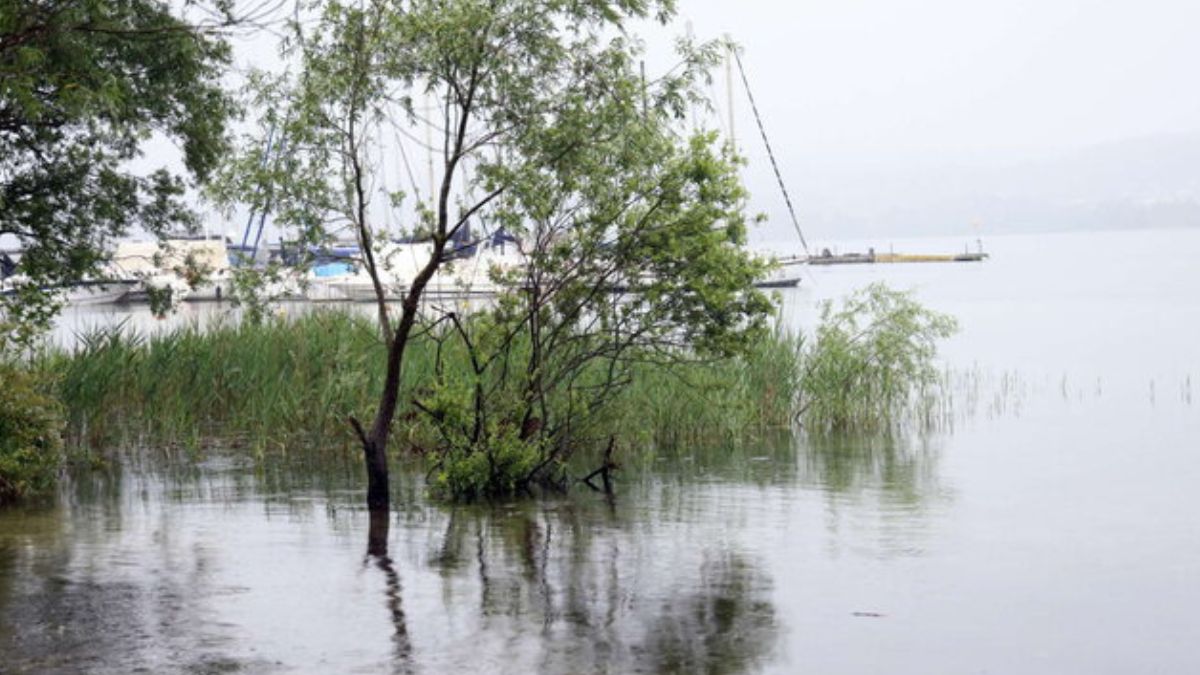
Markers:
<point>263,384</point>
<point>287,384</point>
<point>871,363</point>
<point>717,401</point>
<point>290,382</point>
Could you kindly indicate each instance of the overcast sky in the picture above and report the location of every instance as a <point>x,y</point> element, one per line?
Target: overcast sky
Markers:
<point>895,117</point>
<point>964,77</point>
<point>857,91</point>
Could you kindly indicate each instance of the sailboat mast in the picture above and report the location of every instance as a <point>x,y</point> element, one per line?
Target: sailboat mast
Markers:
<point>737,60</point>
<point>691,107</point>
<point>729,91</point>
<point>429,145</point>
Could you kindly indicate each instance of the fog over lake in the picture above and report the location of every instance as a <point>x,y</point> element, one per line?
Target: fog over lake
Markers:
<point>1039,519</point>
<point>1044,524</point>
<point>943,117</point>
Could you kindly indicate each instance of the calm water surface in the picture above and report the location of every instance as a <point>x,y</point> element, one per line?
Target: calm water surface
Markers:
<point>1048,526</point>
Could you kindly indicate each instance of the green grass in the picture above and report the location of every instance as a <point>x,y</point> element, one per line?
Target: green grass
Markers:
<point>871,363</point>
<point>294,381</point>
<point>287,384</point>
<point>264,384</point>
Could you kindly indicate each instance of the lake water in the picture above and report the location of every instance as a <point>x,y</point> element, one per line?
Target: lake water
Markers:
<point>1049,526</point>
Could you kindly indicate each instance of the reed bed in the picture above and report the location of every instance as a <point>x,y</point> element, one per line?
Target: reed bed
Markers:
<point>729,401</point>
<point>287,382</point>
<point>290,382</point>
<point>263,383</point>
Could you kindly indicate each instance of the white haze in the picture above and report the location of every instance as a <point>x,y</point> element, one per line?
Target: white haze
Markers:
<point>901,117</point>
<point>897,117</point>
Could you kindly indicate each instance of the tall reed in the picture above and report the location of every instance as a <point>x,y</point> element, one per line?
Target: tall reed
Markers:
<point>289,381</point>
<point>872,361</point>
<point>267,382</point>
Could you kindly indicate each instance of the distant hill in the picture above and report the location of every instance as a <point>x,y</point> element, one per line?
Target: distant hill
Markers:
<point>1144,183</point>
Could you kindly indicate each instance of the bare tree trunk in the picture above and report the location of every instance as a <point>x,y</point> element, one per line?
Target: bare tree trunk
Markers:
<point>377,533</point>
<point>375,443</point>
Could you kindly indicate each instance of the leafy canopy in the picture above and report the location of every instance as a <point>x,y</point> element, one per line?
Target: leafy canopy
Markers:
<point>30,436</point>
<point>541,125</point>
<point>83,83</point>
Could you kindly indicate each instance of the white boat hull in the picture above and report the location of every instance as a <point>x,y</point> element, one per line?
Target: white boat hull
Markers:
<point>89,293</point>
<point>98,293</point>
<point>786,274</point>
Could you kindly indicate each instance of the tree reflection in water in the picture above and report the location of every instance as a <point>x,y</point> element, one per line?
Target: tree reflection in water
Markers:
<point>377,552</point>
<point>575,590</point>
<point>724,625</point>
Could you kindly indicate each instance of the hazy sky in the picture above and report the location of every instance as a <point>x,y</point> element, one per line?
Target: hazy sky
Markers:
<point>874,106</point>
<point>896,117</point>
<point>895,78</point>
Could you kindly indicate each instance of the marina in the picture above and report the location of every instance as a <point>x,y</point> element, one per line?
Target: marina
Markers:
<point>203,269</point>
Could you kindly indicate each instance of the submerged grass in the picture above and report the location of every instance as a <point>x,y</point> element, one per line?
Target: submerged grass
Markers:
<point>871,362</point>
<point>290,382</point>
<point>265,383</point>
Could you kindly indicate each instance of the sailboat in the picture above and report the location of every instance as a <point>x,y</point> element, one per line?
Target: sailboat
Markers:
<point>84,292</point>
<point>470,271</point>
<point>108,288</point>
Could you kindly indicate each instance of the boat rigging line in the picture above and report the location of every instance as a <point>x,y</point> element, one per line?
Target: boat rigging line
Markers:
<point>770,153</point>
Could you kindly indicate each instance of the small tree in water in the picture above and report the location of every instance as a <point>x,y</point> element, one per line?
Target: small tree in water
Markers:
<point>869,357</point>
<point>546,130</point>
<point>634,261</point>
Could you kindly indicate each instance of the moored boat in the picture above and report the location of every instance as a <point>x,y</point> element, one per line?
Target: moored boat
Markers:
<point>87,292</point>
<point>192,269</point>
<point>786,273</point>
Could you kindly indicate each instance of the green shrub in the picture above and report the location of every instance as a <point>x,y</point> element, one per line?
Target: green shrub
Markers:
<point>501,466</point>
<point>30,436</point>
<point>869,359</point>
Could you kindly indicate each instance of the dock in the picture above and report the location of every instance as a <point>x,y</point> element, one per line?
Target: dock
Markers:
<point>871,257</point>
